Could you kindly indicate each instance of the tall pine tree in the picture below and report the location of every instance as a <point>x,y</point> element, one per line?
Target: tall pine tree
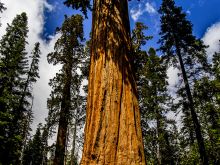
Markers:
<point>178,44</point>
<point>26,98</point>
<point>33,153</point>
<point>13,68</point>
<point>156,106</point>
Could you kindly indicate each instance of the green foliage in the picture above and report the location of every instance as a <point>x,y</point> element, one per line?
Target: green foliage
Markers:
<point>34,68</point>
<point>16,80</point>
<point>33,153</point>
<point>13,68</point>
<point>67,50</point>
<point>138,41</point>
<point>184,51</point>
<point>155,103</point>
<point>176,33</point>
<point>206,93</point>
<point>66,105</point>
<point>83,5</point>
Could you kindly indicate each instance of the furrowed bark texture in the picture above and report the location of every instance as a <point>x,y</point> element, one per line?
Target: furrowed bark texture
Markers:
<point>113,130</point>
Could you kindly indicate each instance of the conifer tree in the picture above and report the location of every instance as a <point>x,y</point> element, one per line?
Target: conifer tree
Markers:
<point>156,104</point>
<point>26,98</point>
<point>33,153</point>
<point>13,68</point>
<point>178,44</point>
<point>78,119</point>
<point>139,39</point>
<point>206,91</point>
<point>48,131</point>
<point>153,97</point>
<point>67,52</point>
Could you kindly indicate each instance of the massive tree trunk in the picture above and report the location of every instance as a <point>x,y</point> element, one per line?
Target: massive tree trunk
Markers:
<point>113,130</point>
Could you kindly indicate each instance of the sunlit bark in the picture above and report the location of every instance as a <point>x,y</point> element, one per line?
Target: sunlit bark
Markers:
<point>113,131</point>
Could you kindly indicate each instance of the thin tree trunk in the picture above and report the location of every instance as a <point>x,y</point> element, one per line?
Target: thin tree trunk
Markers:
<point>25,133</point>
<point>64,115</point>
<point>73,158</point>
<point>166,137</point>
<point>159,131</point>
<point>113,130</point>
<point>195,120</point>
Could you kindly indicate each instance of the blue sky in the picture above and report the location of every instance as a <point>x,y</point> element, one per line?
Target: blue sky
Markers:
<point>202,14</point>
<point>55,18</point>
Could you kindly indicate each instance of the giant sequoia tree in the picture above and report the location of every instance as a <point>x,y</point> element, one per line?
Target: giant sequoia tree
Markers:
<point>67,52</point>
<point>113,131</point>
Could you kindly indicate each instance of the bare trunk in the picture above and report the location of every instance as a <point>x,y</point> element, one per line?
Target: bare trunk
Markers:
<point>113,130</point>
<point>197,126</point>
<point>63,121</point>
<point>159,131</point>
<point>73,158</point>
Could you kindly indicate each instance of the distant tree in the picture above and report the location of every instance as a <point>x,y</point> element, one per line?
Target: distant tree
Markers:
<point>178,44</point>
<point>139,39</point>
<point>33,153</point>
<point>26,98</point>
<point>48,131</point>
<point>13,69</point>
<point>153,98</point>
<point>67,52</point>
<point>206,92</point>
<point>79,106</point>
<point>156,104</point>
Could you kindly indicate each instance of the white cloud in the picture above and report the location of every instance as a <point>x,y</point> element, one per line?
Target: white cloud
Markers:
<point>188,12</point>
<point>211,38</point>
<point>150,8</point>
<point>35,12</point>
<point>173,79</point>
<point>48,6</point>
<point>138,11</point>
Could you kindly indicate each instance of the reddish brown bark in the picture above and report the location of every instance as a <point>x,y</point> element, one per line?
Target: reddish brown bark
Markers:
<point>113,131</point>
